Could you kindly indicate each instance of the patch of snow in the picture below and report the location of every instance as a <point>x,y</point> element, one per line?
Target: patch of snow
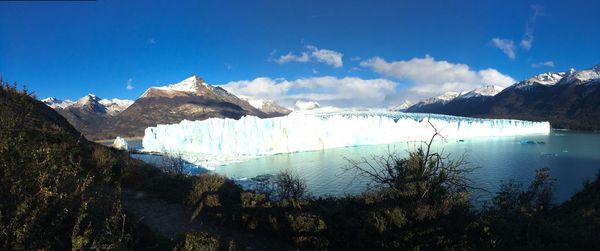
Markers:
<point>401,107</point>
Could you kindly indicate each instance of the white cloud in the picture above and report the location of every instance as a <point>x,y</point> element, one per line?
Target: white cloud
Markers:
<point>327,90</point>
<point>313,54</point>
<point>129,85</point>
<point>151,41</point>
<point>329,57</point>
<point>494,77</point>
<point>527,41</point>
<point>303,58</point>
<point>262,87</point>
<point>430,77</point>
<point>506,45</point>
<point>542,64</point>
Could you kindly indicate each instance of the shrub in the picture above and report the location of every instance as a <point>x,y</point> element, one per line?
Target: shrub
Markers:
<point>172,163</point>
<point>287,185</point>
<point>193,241</point>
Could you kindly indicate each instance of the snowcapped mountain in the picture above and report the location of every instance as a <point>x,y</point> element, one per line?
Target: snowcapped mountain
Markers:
<point>442,98</point>
<point>548,78</point>
<point>267,106</point>
<point>115,106</point>
<point>189,86</point>
<point>89,112</point>
<point>484,91</point>
<point>57,103</point>
<point>455,100</point>
<point>434,102</point>
<point>588,76</point>
<point>401,107</point>
<point>190,99</point>
<point>568,99</point>
<point>481,92</point>
<point>110,106</point>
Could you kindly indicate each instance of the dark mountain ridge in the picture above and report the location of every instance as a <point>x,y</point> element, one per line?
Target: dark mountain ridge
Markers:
<point>569,100</point>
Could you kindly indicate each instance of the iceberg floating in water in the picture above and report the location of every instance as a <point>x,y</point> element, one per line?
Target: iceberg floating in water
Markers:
<point>215,140</point>
<point>120,143</point>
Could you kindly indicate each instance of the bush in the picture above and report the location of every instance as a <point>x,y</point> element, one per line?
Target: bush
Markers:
<point>193,241</point>
<point>519,218</point>
<point>174,164</point>
<point>58,190</point>
<point>287,185</point>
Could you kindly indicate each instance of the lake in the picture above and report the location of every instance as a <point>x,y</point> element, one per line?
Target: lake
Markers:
<point>571,156</point>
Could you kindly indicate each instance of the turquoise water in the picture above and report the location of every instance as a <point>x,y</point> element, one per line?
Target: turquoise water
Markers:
<point>572,157</point>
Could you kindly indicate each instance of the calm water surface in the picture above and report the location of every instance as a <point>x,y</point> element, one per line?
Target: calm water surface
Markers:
<point>571,156</point>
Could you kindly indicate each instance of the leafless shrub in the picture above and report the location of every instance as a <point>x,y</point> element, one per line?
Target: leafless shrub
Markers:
<point>423,174</point>
<point>172,163</point>
<point>286,185</point>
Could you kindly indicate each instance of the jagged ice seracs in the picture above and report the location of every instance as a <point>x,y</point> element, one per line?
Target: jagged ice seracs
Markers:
<point>217,141</point>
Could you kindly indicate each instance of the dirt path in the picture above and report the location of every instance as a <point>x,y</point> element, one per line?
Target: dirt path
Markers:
<point>169,220</point>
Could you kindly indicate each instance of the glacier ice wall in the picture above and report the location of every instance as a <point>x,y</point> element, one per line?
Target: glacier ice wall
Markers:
<point>230,140</point>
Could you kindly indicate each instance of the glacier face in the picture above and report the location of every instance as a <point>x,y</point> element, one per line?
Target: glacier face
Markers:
<point>217,141</point>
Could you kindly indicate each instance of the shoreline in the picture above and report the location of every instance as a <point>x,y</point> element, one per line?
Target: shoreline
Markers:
<point>125,138</point>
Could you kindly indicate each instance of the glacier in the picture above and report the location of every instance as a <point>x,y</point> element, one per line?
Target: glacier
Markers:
<point>216,141</point>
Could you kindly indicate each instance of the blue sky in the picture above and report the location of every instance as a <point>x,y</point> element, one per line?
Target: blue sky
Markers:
<point>287,50</point>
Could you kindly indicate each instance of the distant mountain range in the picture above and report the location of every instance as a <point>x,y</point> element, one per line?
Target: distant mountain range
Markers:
<point>191,99</point>
<point>568,99</point>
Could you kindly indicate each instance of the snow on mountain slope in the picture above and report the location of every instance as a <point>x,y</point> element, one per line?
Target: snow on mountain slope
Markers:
<point>196,88</point>
<point>267,106</point>
<point>115,106</point>
<point>548,78</point>
<point>57,103</point>
<point>590,76</point>
<point>487,91</point>
<point>401,107</point>
<point>92,102</point>
<point>191,85</point>
<point>442,99</point>
<point>213,141</point>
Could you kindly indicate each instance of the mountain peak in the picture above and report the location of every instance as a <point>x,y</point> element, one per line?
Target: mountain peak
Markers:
<point>486,90</point>
<point>401,107</point>
<point>57,103</point>
<point>591,75</point>
<point>192,84</point>
<point>50,100</point>
<point>89,98</point>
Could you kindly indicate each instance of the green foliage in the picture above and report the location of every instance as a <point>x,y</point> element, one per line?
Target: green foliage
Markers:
<point>198,241</point>
<point>58,191</point>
